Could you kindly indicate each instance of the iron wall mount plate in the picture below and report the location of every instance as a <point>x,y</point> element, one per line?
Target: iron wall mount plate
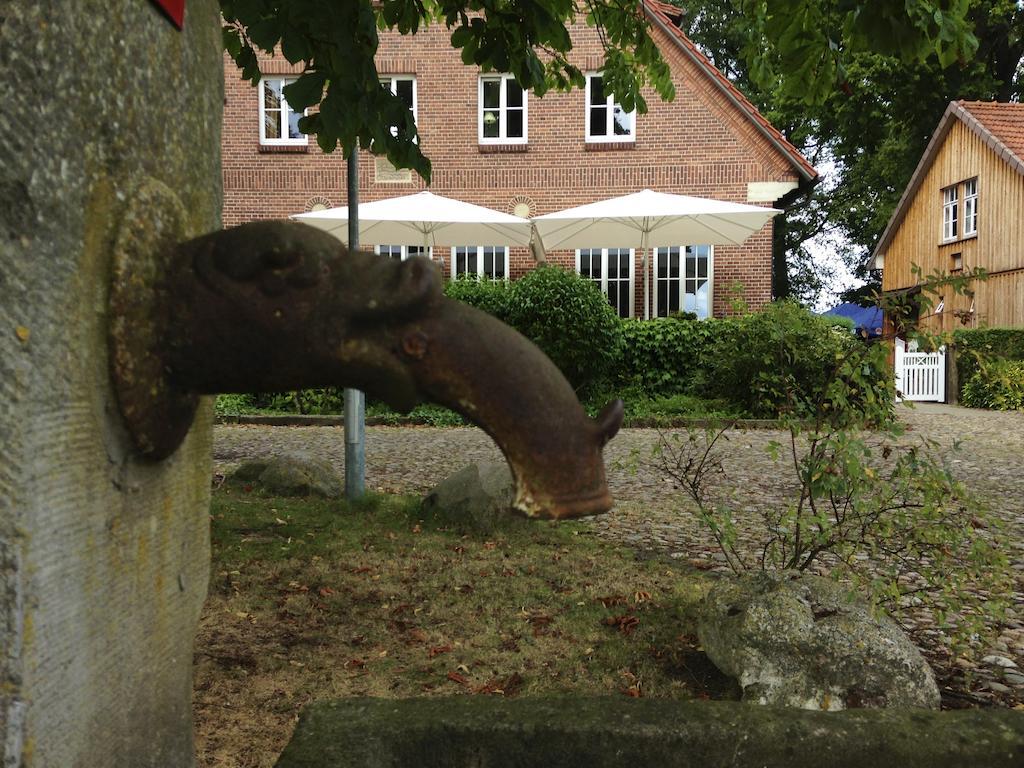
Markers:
<point>157,414</point>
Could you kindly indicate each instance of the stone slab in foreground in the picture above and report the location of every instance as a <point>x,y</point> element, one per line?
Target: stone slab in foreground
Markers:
<point>465,731</point>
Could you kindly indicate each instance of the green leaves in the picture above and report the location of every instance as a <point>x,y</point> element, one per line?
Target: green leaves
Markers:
<point>808,44</point>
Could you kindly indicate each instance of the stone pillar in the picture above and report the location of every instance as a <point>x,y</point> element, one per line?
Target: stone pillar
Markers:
<point>104,558</point>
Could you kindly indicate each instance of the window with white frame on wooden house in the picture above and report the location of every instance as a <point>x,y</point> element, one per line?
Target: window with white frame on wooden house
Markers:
<point>402,252</point>
<point>970,207</point>
<point>606,119</point>
<point>950,213</point>
<point>501,116</point>
<point>490,261</point>
<point>612,270</point>
<point>279,123</point>
<point>683,278</point>
<point>404,87</point>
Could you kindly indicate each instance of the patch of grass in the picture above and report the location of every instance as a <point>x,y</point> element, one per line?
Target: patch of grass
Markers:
<point>425,413</point>
<point>320,599</point>
<point>644,410</point>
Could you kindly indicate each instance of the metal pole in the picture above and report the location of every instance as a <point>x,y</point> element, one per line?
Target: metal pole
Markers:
<point>647,276</point>
<point>355,400</point>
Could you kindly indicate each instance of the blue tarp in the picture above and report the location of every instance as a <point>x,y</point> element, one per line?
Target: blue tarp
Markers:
<point>865,319</point>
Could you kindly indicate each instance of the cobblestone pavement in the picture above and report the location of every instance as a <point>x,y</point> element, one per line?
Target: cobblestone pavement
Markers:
<point>649,514</point>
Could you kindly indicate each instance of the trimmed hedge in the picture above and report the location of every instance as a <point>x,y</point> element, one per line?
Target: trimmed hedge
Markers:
<point>976,344</point>
<point>568,317</point>
<point>491,296</point>
<point>671,356</point>
<point>564,314</point>
<point>998,385</point>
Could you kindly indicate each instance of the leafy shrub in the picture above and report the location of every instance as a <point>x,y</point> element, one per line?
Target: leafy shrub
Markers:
<point>668,356</point>
<point>233,404</point>
<point>490,296</point>
<point>569,318</point>
<point>975,345</point>
<point>884,515</point>
<point>840,323</point>
<point>998,385</point>
<point>786,360</point>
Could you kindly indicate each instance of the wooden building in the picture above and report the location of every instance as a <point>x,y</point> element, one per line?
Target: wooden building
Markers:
<point>964,208</point>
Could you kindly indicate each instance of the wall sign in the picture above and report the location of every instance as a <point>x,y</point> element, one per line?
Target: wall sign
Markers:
<point>175,10</point>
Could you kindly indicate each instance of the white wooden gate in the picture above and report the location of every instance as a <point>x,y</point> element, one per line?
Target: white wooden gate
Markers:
<point>920,376</point>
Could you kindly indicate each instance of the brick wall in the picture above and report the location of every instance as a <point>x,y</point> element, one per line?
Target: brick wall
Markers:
<point>697,145</point>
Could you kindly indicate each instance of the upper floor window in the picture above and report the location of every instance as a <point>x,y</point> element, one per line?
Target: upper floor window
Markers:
<point>279,124</point>
<point>403,252</point>
<point>683,280</point>
<point>950,213</point>
<point>970,207</point>
<point>489,261</point>
<point>404,87</point>
<point>606,119</point>
<point>502,111</point>
<point>612,270</point>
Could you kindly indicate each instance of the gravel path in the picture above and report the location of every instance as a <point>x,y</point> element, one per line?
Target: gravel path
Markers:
<point>649,515</point>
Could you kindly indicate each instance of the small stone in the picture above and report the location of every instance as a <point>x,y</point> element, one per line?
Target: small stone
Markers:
<point>477,498</point>
<point>294,474</point>
<point>1014,678</point>
<point>998,661</point>
<point>995,687</point>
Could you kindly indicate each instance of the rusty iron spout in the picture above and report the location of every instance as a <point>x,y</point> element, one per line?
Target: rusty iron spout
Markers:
<point>274,306</point>
<point>465,359</point>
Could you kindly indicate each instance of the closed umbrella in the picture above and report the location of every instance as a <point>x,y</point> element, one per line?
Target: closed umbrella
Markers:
<point>650,218</point>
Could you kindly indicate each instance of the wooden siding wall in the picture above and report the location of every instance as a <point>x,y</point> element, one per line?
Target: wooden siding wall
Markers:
<point>998,246</point>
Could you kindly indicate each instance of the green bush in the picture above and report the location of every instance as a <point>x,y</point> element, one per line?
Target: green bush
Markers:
<point>569,318</point>
<point>975,345</point>
<point>669,356</point>
<point>998,385</point>
<point>786,360</point>
<point>490,296</point>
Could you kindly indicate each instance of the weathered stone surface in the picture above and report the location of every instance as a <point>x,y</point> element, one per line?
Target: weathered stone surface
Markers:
<point>464,731</point>
<point>477,497</point>
<point>294,474</point>
<point>104,559</point>
<point>803,641</point>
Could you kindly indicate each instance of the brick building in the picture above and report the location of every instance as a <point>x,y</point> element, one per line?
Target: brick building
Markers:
<point>494,145</point>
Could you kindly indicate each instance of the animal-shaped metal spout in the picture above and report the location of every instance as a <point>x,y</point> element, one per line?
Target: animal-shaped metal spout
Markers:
<point>273,306</point>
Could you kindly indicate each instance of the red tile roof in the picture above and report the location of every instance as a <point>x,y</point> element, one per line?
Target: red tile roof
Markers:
<point>1004,123</point>
<point>665,16</point>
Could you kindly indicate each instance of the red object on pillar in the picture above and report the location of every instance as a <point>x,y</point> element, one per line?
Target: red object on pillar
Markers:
<point>175,10</point>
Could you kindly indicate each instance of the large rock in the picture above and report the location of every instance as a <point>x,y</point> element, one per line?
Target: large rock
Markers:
<point>293,474</point>
<point>476,498</point>
<point>802,641</point>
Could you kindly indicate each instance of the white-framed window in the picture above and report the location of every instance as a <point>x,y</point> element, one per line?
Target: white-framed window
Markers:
<point>683,278</point>
<point>404,87</point>
<point>606,119</point>
<point>402,252</point>
<point>490,261</point>
<point>612,270</point>
<point>970,207</point>
<point>279,123</point>
<point>950,213</point>
<point>501,116</point>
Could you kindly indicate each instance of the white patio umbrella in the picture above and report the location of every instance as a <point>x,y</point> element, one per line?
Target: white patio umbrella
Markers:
<point>424,218</point>
<point>652,218</point>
